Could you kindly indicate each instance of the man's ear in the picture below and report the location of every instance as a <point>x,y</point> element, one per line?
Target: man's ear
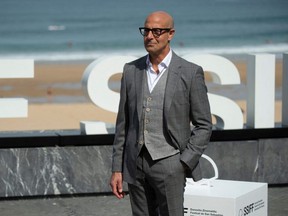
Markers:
<point>171,34</point>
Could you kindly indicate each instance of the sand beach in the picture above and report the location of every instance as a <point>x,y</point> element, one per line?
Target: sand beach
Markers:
<point>62,80</point>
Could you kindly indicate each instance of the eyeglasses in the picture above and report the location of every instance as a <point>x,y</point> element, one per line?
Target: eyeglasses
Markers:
<point>157,32</point>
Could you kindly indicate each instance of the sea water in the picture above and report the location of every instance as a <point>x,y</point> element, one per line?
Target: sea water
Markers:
<point>86,29</point>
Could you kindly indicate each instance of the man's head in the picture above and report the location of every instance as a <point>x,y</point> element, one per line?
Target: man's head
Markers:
<point>158,31</point>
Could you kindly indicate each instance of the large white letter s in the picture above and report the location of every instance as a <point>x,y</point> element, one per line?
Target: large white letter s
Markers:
<point>95,85</point>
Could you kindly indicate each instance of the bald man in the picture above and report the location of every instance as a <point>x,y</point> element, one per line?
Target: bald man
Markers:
<point>155,148</point>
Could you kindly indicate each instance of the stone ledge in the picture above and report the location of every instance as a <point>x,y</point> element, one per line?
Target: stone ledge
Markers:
<point>65,162</point>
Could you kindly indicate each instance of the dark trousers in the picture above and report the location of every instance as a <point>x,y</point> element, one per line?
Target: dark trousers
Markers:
<point>159,187</point>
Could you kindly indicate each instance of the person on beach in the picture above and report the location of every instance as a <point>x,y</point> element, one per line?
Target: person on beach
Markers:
<point>155,146</point>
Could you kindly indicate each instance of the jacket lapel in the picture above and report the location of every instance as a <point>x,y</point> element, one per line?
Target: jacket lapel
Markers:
<point>139,77</point>
<point>172,80</point>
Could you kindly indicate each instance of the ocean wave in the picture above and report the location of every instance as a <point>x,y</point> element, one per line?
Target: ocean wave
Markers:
<point>56,28</point>
<point>277,49</point>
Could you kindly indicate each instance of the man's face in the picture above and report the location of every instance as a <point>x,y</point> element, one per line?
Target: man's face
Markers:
<point>157,44</point>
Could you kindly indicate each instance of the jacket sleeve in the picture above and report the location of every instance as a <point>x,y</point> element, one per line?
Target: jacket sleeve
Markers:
<point>121,128</point>
<point>200,117</point>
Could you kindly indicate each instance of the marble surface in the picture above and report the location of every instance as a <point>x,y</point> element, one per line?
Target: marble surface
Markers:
<point>86,169</point>
<point>236,160</point>
<point>274,160</point>
<point>263,160</point>
<point>54,170</point>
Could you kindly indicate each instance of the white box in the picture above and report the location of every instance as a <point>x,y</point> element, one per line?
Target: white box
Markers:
<point>226,198</point>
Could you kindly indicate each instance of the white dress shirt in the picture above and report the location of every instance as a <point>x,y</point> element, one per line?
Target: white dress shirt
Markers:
<point>152,76</point>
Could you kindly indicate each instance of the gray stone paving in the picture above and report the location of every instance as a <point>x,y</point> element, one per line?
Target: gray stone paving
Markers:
<point>108,205</point>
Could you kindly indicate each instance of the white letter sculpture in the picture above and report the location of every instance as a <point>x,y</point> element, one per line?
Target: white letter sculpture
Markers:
<point>95,85</point>
<point>15,107</point>
<point>261,91</point>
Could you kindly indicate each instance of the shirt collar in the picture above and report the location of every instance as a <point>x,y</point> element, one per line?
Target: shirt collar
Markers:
<point>165,62</point>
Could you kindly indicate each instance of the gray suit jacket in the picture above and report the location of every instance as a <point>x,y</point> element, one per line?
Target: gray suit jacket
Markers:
<point>185,102</point>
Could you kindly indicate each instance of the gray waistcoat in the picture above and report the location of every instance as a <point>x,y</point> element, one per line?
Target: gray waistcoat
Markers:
<point>152,131</point>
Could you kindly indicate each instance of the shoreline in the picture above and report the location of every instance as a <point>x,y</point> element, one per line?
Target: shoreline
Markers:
<point>69,55</point>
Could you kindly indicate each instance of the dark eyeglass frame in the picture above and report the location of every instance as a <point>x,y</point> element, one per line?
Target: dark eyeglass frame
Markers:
<point>157,32</point>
